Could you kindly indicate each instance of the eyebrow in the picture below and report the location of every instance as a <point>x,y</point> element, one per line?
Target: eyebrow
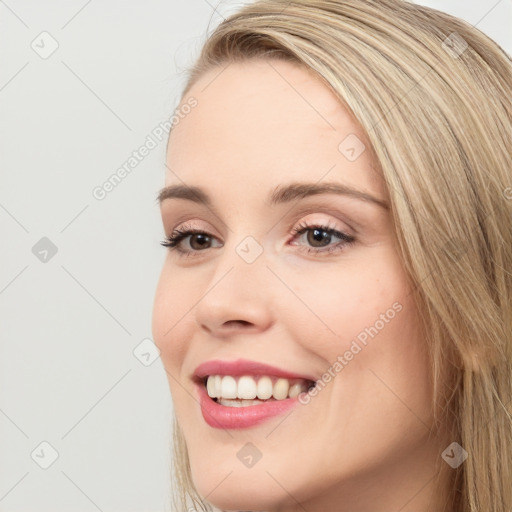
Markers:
<point>281,194</point>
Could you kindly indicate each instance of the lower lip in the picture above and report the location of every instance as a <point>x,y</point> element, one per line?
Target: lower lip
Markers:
<point>221,416</point>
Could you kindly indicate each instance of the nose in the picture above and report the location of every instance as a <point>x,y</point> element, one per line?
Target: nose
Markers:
<point>238,299</point>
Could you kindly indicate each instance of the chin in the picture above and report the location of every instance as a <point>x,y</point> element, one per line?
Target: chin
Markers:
<point>239,489</point>
<point>233,498</point>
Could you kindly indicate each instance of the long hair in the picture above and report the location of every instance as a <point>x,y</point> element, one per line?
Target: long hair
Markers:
<point>434,96</point>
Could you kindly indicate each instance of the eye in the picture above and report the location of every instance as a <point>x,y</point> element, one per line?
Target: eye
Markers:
<point>198,241</point>
<point>318,235</point>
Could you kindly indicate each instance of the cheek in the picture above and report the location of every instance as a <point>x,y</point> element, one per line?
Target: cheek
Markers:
<point>382,375</point>
<point>363,325</point>
<point>171,304</point>
<point>171,334</point>
<point>349,301</point>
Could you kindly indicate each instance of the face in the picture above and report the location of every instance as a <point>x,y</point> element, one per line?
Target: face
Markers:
<point>310,284</point>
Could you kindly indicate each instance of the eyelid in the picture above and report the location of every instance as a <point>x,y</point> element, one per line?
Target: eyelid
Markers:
<point>304,213</point>
<point>323,218</point>
<point>193,224</point>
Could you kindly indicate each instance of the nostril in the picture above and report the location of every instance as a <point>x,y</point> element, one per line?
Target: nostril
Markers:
<point>235,323</point>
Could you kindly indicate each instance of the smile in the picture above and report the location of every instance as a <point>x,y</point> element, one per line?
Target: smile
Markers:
<point>232,390</point>
<point>241,394</point>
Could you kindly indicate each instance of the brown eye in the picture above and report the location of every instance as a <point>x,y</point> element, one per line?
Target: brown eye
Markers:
<point>198,240</point>
<point>319,236</point>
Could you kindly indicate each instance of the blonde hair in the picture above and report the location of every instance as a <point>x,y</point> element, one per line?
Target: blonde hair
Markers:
<point>438,116</point>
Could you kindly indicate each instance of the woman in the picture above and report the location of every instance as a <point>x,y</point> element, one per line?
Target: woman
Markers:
<point>335,311</point>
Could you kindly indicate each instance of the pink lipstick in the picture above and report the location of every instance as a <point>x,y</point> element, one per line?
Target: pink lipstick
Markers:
<point>218,415</point>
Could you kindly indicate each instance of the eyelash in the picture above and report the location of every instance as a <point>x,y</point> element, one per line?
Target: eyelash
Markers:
<point>172,242</point>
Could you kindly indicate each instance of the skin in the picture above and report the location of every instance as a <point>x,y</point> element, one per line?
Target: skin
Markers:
<point>365,442</point>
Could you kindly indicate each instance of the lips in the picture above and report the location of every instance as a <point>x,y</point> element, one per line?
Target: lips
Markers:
<point>245,367</point>
<point>220,416</point>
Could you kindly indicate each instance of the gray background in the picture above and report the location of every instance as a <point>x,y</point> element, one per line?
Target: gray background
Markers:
<point>71,321</point>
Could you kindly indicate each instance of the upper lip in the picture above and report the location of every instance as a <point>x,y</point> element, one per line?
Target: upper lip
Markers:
<point>244,367</point>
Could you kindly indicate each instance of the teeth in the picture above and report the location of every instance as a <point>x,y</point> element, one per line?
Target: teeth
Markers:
<point>295,390</point>
<point>248,390</point>
<point>229,387</point>
<point>280,390</point>
<point>264,388</point>
<point>238,403</point>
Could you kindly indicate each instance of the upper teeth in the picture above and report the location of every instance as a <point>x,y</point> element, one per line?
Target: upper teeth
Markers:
<point>248,387</point>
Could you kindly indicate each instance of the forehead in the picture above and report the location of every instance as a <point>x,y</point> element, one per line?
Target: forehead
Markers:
<point>268,121</point>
